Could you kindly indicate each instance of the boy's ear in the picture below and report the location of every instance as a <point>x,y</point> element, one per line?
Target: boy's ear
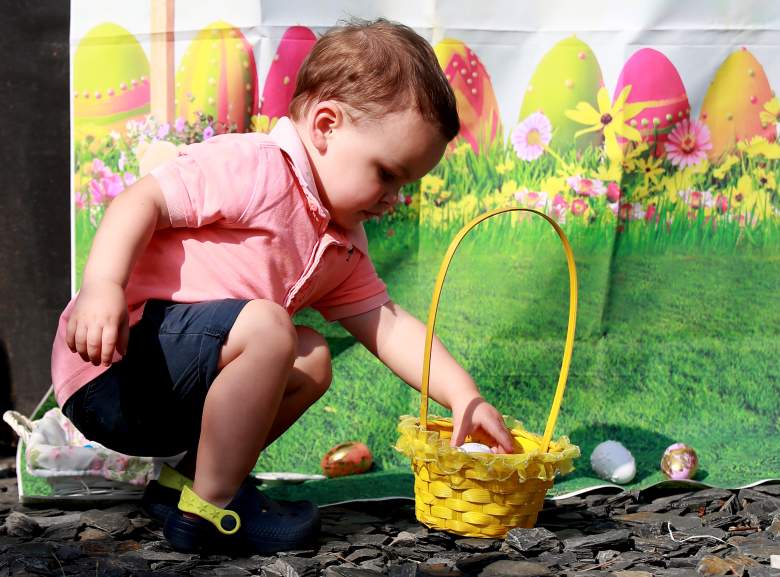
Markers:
<point>325,116</point>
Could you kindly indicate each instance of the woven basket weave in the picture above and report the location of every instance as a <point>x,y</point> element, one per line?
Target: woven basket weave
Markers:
<point>485,494</point>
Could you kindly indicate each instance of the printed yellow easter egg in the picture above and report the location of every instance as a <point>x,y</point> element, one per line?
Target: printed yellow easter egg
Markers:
<point>655,81</point>
<point>568,74</point>
<point>218,77</point>
<point>295,45</point>
<point>734,101</point>
<point>477,105</point>
<point>348,458</point>
<point>110,79</point>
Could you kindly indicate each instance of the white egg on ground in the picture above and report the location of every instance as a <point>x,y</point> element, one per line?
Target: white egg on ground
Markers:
<point>611,461</point>
<point>474,448</point>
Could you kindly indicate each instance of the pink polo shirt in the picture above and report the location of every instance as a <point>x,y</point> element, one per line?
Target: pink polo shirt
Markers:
<point>247,223</point>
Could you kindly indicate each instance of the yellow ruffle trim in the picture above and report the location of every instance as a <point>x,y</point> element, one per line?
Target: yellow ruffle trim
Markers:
<point>528,461</point>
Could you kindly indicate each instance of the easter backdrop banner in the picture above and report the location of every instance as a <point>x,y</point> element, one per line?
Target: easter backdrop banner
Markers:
<point>647,130</point>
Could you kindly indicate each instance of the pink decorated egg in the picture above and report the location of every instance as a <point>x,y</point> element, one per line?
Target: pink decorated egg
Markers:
<point>733,103</point>
<point>477,105</point>
<point>348,458</point>
<point>218,77</point>
<point>279,86</point>
<point>655,81</point>
<point>110,78</point>
<point>679,461</point>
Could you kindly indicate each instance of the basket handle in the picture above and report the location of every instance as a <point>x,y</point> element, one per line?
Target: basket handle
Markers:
<point>567,351</point>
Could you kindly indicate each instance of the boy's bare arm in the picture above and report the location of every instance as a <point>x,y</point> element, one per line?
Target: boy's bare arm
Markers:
<point>98,322</point>
<point>398,340</point>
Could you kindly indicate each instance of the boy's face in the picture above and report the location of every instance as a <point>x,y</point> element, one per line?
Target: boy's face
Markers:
<point>361,166</point>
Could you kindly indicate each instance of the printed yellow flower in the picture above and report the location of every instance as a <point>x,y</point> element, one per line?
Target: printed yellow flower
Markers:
<point>745,198</point>
<point>504,167</point>
<point>610,171</point>
<point>766,180</point>
<point>724,167</point>
<point>262,123</point>
<point>462,148</point>
<point>771,112</point>
<point>431,184</point>
<point>633,154</point>
<point>611,119</point>
<point>675,183</point>
<point>650,169</point>
<point>553,185</point>
<point>760,146</point>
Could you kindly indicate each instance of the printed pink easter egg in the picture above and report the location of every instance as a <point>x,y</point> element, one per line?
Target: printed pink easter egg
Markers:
<point>217,77</point>
<point>654,80</point>
<point>279,85</point>
<point>348,458</point>
<point>733,103</point>
<point>110,78</point>
<point>477,105</point>
<point>568,74</point>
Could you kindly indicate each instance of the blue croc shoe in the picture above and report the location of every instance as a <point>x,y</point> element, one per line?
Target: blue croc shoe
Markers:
<point>161,497</point>
<point>250,524</point>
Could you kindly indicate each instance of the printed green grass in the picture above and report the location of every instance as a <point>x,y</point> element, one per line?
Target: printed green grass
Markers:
<point>672,348</point>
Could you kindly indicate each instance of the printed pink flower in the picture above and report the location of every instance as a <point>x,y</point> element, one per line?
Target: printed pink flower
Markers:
<point>586,186</point>
<point>208,132</point>
<point>559,208</point>
<point>532,136</point>
<point>531,199</point>
<point>129,178</point>
<point>651,213</point>
<point>613,192</point>
<point>688,143</point>
<point>722,204</point>
<point>180,124</point>
<point>80,200</point>
<point>578,206</point>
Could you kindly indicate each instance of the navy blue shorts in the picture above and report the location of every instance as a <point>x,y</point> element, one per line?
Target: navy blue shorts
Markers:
<point>150,403</point>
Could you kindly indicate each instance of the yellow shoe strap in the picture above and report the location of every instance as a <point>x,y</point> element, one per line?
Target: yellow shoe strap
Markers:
<point>225,520</point>
<point>171,478</point>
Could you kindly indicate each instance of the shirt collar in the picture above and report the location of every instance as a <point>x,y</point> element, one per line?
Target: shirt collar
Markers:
<point>286,137</point>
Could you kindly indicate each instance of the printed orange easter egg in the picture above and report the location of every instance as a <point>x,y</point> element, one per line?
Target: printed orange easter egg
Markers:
<point>477,105</point>
<point>295,45</point>
<point>654,80</point>
<point>348,458</point>
<point>110,79</point>
<point>218,77</point>
<point>734,101</point>
<point>568,74</point>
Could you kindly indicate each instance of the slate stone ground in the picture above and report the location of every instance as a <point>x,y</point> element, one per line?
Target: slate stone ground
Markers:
<point>626,534</point>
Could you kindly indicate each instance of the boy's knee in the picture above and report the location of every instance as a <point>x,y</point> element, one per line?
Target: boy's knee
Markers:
<point>262,324</point>
<point>313,347</point>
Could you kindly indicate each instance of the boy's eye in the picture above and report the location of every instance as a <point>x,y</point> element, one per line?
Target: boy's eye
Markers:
<point>386,175</point>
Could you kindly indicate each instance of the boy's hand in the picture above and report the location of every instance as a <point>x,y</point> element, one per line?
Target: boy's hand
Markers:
<point>98,323</point>
<point>477,417</point>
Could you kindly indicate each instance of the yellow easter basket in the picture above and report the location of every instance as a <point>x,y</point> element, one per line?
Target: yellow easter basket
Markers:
<point>485,494</point>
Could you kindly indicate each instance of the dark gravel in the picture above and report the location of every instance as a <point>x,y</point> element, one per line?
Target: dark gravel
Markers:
<point>627,534</point>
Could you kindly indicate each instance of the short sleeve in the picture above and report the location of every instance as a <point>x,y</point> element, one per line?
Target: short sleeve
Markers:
<point>360,292</point>
<point>223,179</point>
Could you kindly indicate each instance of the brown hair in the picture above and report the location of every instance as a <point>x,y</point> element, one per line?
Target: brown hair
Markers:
<point>377,67</point>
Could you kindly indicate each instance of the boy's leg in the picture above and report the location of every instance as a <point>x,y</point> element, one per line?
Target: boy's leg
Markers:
<point>255,364</point>
<point>308,380</point>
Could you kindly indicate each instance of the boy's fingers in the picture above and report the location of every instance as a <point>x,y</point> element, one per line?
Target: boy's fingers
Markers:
<point>94,343</point>
<point>499,432</point>
<point>109,344</point>
<point>70,334</point>
<point>458,435</point>
<point>80,340</point>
